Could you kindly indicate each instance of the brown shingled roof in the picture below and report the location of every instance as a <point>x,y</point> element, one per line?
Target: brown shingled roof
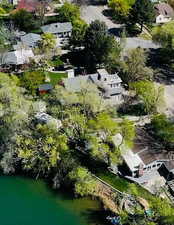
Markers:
<point>149,150</point>
<point>164,9</point>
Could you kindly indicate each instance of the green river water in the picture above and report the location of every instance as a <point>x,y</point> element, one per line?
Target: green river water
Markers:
<point>25,201</point>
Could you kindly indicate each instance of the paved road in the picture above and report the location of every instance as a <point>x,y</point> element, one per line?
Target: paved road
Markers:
<point>169,99</point>
<point>94,12</point>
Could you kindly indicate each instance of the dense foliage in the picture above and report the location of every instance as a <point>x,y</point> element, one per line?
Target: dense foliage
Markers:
<point>142,12</point>
<point>150,94</point>
<point>164,130</point>
<point>99,45</point>
<point>135,68</point>
<point>24,20</point>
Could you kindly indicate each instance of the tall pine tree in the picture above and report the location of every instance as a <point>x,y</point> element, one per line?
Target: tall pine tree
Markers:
<point>142,13</point>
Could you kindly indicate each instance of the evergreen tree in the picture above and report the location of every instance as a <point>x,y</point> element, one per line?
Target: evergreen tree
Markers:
<point>142,13</point>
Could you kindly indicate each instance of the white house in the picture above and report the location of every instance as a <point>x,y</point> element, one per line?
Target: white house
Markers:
<point>164,13</point>
<point>17,57</point>
<point>108,84</point>
<point>145,158</point>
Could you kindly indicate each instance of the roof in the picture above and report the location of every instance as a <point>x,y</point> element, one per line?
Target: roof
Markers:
<point>170,165</point>
<point>17,57</point>
<point>148,150</point>
<point>30,39</point>
<point>49,120</point>
<point>45,87</point>
<point>75,84</point>
<point>102,80</point>
<point>55,28</point>
<point>29,5</point>
<point>132,160</point>
<point>164,9</point>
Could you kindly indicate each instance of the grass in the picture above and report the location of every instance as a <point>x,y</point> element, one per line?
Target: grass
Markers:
<point>56,62</point>
<point>55,78</point>
<point>115,181</point>
<point>36,31</point>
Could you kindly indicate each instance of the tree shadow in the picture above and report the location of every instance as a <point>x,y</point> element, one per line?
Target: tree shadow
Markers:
<point>97,217</point>
<point>160,60</point>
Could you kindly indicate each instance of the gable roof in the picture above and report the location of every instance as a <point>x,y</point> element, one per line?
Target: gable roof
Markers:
<point>164,9</point>
<point>55,28</point>
<point>148,150</point>
<point>75,84</point>
<point>101,79</point>
<point>30,39</point>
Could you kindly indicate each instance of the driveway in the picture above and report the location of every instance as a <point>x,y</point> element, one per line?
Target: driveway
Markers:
<point>95,12</point>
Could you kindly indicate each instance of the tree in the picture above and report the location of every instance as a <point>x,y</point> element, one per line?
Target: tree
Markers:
<point>135,68</point>
<point>151,94</point>
<point>142,12</point>
<point>164,35</point>
<point>98,44</point>
<point>85,184</point>
<point>41,10</point>
<point>24,20</point>
<point>164,129</point>
<point>32,79</point>
<point>120,7</point>
<point>88,99</point>
<point>68,12</point>
<point>47,44</point>
<point>42,151</point>
<point>15,116</point>
<point>78,33</point>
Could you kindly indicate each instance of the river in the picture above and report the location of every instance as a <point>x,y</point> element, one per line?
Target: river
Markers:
<point>25,201</point>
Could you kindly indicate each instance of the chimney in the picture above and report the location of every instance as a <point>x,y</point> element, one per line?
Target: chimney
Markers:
<point>70,73</point>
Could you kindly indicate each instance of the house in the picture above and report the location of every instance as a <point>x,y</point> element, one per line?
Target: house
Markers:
<point>18,57</point>
<point>32,5</point>
<point>61,30</point>
<point>45,118</point>
<point>45,88</point>
<point>146,157</point>
<point>13,2</point>
<point>108,84</point>
<point>164,13</point>
<point>28,5</point>
<point>30,40</point>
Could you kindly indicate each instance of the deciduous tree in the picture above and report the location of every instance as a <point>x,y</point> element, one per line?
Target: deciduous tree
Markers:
<point>151,94</point>
<point>24,20</point>
<point>135,68</point>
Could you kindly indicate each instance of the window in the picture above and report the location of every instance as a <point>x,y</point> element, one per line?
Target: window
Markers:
<point>154,166</point>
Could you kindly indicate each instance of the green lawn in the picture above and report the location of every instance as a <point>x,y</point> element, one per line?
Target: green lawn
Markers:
<point>115,181</point>
<point>55,78</point>
<point>56,62</point>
